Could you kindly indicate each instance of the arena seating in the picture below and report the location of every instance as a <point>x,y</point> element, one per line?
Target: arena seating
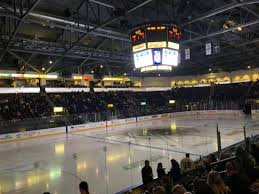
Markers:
<point>21,106</point>
<point>234,171</point>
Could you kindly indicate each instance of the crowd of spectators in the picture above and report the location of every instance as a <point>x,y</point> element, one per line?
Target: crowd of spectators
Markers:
<point>235,175</point>
<point>21,106</point>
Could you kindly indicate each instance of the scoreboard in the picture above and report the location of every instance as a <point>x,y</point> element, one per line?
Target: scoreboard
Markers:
<point>155,47</point>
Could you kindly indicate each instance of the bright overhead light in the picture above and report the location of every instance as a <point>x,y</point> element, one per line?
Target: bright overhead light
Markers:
<point>209,69</point>
<point>92,71</point>
<point>249,67</point>
<point>134,69</point>
<point>159,75</point>
<point>101,66</point>
<point>43,68</point>
<point>239,28</point>
<point>50,61</point>
<point>125,74</point>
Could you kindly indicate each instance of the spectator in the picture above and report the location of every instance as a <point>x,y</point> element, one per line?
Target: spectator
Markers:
<point>167,184</point>
<point>159,190</point>
<point>238,183</point>
<point>212,158</point>
<point>244,160</point>
<point>187,164</point>
<point>175,171</point>
<point>216,183</point>
<point>178,189</point>
<point>201,187</point>
<point>160,170</point>
<point>83,187</point>
<point>255,152</point>
<point>147,173</point>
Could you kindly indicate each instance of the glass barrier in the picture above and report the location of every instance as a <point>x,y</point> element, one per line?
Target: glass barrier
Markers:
<point>110,159</point>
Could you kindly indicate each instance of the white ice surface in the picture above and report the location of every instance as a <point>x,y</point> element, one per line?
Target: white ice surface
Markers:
<point>105,159</point>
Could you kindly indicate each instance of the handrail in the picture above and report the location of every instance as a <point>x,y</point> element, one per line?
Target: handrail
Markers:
<point>224,160</point>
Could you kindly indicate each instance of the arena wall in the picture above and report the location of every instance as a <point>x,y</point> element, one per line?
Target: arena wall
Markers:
<point>88,126</point>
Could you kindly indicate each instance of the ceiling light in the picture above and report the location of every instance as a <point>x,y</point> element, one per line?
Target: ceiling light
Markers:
<point>159,75</point>
<point>249,67</point>
<point>209,69</point>
<point>101,66</point>
<point>92,71</point>
<point>125,74</point>
<point>50,62</point>
<point>43,68</point>
<point>134,69</point>
<point>239,29</point>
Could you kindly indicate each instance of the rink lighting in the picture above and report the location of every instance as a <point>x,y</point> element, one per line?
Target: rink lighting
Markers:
<point>110,105</point>
<point>58,109</point>
<point>18,75</point>
<point>59,149</point>
<point>77,77</point>
<point>81,166</point>
<point>156,68</point>
<point>143,103</point>
<point>55,173</point>
<point>115,157</point>
<point>171,101</point>
<point>173,126</point>
<point>125,79</point>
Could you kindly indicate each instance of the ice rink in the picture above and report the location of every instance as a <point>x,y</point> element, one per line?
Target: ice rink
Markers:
<point>110,159</point>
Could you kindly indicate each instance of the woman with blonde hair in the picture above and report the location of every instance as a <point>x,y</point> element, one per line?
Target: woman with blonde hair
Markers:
<point>216,183</point>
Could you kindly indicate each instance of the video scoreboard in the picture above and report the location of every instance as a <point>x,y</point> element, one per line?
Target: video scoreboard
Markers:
<point>155,47</point>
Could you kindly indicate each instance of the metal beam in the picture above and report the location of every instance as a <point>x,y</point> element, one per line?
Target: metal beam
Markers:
<point>17,28</point>
<point>250,11</point>
<point>103,4</point>
<point>221,10</point>
<point>138,6</point>
<point>94,29</point>
<point>25,62</point>
<point>98,47</point>
<point>70,56</point>
<point>64,23</point>
<point>221,31</point>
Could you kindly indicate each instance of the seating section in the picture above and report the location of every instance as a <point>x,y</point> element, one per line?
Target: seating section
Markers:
<point>22,106</point>
<point>233,171</point>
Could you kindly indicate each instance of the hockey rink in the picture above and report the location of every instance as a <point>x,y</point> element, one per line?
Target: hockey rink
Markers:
<point>110,159</point>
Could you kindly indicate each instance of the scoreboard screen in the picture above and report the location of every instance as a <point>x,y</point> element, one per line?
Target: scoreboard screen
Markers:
<point>156,34</point>
<point>174,34</point>
<point>170,57</point>
<point>156,47</point>
<point>143,58</point>
<point>137,37</point>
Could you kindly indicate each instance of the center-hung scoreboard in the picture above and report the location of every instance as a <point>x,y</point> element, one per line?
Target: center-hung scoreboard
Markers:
<point>155,47</point>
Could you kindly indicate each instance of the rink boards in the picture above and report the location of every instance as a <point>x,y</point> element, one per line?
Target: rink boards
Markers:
<point>88,126</point>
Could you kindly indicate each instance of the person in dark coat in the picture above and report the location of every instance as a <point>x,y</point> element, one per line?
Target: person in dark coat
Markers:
<point>237,182</point>
<point>160,170</point>
<point>147,173</point>
<point>255,152</point>
<point>83,188</point>
<point>175,171</point>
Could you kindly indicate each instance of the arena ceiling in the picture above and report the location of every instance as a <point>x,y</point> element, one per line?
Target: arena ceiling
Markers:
<point>85,35</point>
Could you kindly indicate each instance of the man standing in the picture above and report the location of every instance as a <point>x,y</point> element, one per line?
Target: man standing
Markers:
<point>147,173</point>
<point>187,164</point>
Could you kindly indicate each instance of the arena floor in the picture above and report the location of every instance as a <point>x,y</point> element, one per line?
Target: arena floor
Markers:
<point>106,159</point>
